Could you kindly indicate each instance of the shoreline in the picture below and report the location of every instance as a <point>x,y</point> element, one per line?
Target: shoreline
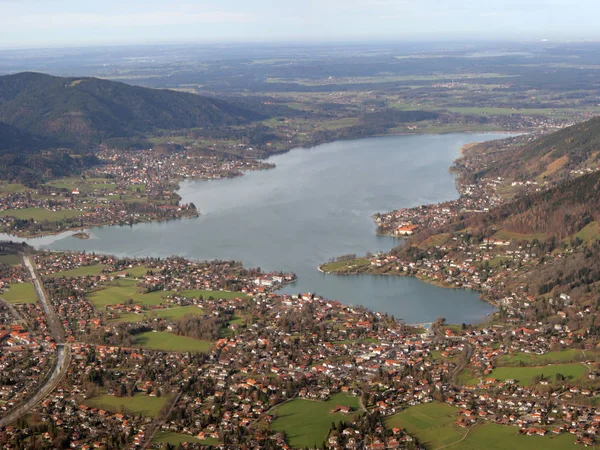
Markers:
<point>427,280</point>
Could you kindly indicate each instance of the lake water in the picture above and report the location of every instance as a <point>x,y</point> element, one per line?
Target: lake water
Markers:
<point>317,204</point>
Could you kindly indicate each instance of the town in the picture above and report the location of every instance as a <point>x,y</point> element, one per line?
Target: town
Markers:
<point>170,351</point>
<point>126,188</point>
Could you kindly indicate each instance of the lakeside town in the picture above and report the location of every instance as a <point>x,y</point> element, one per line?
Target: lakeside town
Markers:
<point>126,188</point>
<point>209,354</point>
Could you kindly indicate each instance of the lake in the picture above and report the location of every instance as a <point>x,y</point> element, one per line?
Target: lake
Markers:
<point>316,204</point>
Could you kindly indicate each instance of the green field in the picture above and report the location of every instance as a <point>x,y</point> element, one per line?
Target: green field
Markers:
<point>41,214</point>
<point>135,272</point>
<point>169,437</point>
<point>83,185</point>
<point>349,264</point>
<point>336,124</point>
<point>10,260</point>
<point>433,425</point>
<point>13,188</point>
<point>83,271</point>
<point>123,290</point>
<point>530,359</point>
<point>20,293</point>
<point>138,404</point>
<point>498,437</point>
<point>161,340</point>
<point>505,235</point>
<point>197,293</point>
<point>306,423</point>
<point>591,232</point>
<point>524,376</point>
<point>173,313</point>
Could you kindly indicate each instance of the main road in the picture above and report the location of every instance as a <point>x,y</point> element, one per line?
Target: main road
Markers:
<point>63,354</point>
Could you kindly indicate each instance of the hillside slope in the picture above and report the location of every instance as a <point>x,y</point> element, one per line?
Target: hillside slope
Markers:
<point>83,111</point>
<point>548,159</point>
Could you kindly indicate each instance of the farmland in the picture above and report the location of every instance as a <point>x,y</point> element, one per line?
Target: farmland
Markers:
<point>433,424</point>
<point>306,422</point>
<point>169,342</point>
<point>41,214</point>
<point>138,404</point>
<point>20,293</point>
<point>168,314</point>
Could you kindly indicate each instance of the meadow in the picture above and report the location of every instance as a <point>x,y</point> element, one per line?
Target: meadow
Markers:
<point>433,424</point>
<point>20,293</point>
<point>41,214</point>
<point>162,340</point>
<point>140,403</point>
<point>174,313</point>
<point>169,437</point>
<point>531,359</point>
<point>306,422</point>
<point>347,264</point>
<point>526,376</point>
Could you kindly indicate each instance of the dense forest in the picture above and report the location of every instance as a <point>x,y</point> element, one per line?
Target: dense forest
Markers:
<point>75,112</point>
<point>552,157</point>
<point>560,211</point>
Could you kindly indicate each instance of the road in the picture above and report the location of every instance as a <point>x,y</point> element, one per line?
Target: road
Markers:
<point>63,351</point>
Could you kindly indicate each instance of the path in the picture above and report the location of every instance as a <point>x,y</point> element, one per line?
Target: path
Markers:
<point>156,423</point>
<point>459,441</point>
<point>63,351</point>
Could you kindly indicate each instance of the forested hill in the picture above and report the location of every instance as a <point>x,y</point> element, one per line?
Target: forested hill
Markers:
<point>550,158</point>
<point>74,112</point>
<point>561,211</point>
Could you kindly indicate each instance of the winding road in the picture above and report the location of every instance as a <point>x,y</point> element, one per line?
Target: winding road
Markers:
<point>63,351</point>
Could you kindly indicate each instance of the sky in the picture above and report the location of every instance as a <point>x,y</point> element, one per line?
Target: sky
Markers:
<point>25,23</point>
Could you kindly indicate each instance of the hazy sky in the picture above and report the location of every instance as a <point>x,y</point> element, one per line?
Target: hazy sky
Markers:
<point>73,22</point>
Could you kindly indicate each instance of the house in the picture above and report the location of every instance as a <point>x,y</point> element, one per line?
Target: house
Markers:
<point>406,230</point>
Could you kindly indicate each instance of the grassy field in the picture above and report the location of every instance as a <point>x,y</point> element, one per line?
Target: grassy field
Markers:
<point>40,214</point>
<point>306,422</point>
<point>433,424</point>
<point>168,314</point>
<point>349,264</point>
<point>138,404</point>
<point>435,240</point>
<point>20,293</point>
<point>589,233</point>
<point>83,185</point>
<point>505,235</point>
<point>336,124</point>
<point>13,188</point>
<point>530,359</point>
<point>124,290</point>
<point>226,295</point>
<point>82,271</point>
<point>498,437</point>
<point>525,375</point>
<point>169,342</point>
<point>168,437</point>
<point>135,272</point>
<point>10,260</point>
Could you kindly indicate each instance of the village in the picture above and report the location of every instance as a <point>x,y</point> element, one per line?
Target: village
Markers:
<point>124,189</point>
<point>209,353</point>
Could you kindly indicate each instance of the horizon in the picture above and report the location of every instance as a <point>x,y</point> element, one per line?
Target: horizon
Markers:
<point>67,23</point>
